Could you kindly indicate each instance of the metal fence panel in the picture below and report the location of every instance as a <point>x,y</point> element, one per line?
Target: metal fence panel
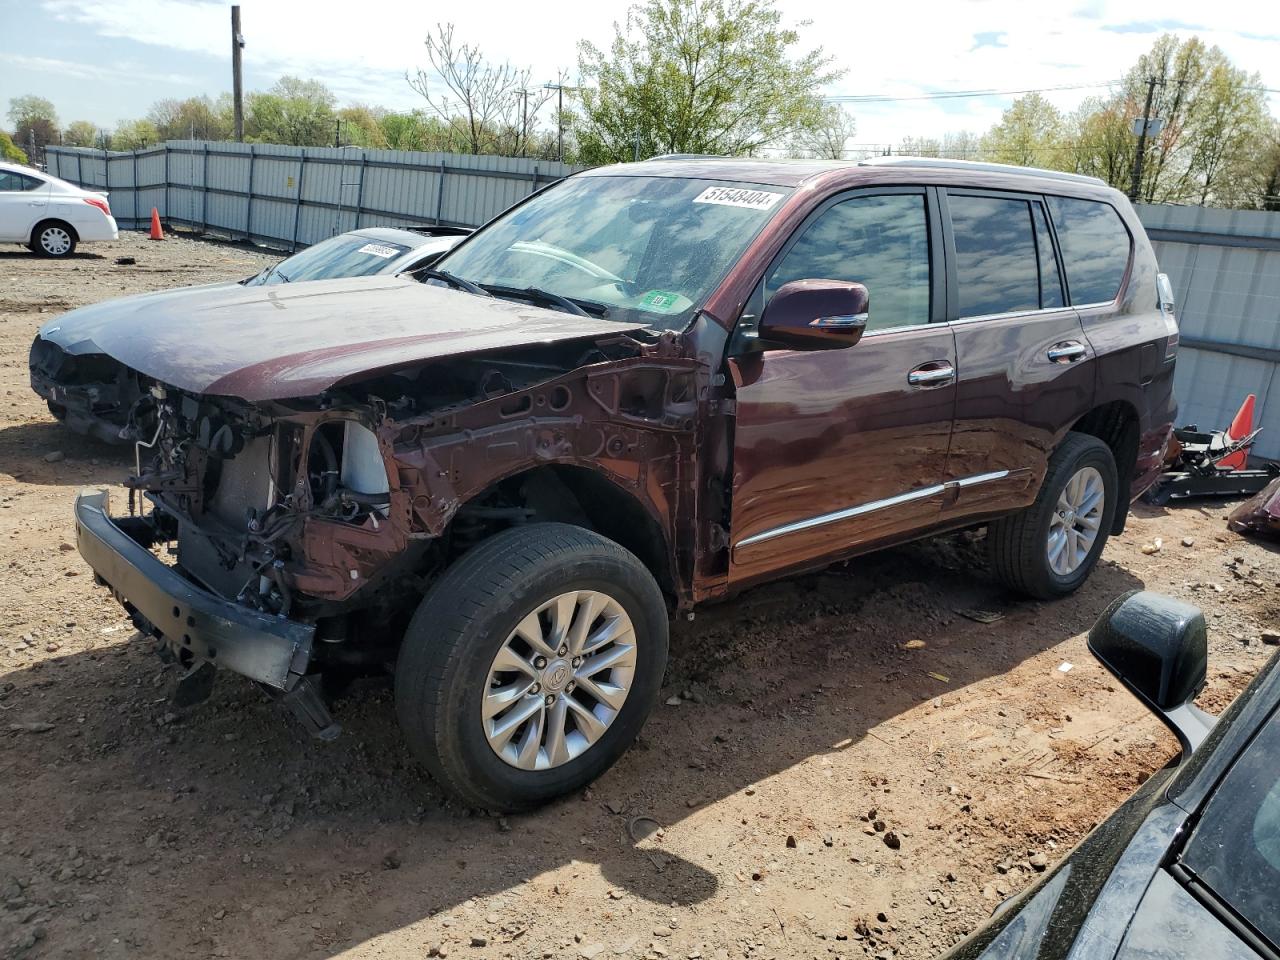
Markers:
<point>1225,269</point>
<point>286,197</point>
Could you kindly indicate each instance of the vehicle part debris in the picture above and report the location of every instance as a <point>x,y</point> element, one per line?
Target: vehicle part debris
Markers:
<point>1212,464</point>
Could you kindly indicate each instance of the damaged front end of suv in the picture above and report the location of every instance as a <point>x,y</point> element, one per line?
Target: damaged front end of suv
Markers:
<point>289,539</point>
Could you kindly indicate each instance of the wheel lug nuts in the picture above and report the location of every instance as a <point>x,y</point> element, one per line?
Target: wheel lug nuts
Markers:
<point>577,661</point>
<point>563,650</point>
<point>540,662</point>
<point>550,699</point>
<point>536,688</point>
<point>569,686</point>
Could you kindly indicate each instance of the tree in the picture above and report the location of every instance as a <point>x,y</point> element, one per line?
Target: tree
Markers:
<point>488,108</point>
<point>34,120</point>
<point>80,133</point>
<point>8,151</point>
<point>361,127</point>
<point>293,111</point>
<point>698,76</point>
<point>195,118</point>
<point>826,139</point>
<point>1100,141</point>
<point>961,145</point>
<point>135,135</point>
<point>1029,134</point>
<point>413,131</point>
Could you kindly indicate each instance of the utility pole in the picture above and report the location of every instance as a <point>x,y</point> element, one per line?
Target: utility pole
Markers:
<point>1136,188</point>
<point>524,121</point>
<point>559,89</point>
<point>237,84</point>
<point>337,133</point>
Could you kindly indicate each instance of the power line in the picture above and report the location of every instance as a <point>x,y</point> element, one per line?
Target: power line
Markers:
<point>960,94</point>
<point>963,94</point>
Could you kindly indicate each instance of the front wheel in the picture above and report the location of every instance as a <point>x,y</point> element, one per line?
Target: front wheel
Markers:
<point>1049,549</point>
<point>531,665</point>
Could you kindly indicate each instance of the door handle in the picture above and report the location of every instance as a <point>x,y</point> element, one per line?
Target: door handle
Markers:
<point>1069,351</point>
<point>936,373</point>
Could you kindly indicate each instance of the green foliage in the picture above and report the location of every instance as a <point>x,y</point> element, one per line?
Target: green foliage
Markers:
<point>135,135</point>
<point>25,110</point>
<point>698,76</point>
<point>195,118</point>
<point>80,133</point>
<point>360,126</point>
<point>34,120</point>
<point>1029,134</point>
<point>293,111</point>
<point>10,152</point>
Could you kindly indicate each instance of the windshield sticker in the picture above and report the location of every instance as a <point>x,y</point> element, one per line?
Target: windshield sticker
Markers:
<point>738,197</point>
<point>378,250</point>
<point>660,301</point>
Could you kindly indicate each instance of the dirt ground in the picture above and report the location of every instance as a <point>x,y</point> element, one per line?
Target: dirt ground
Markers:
<point>805,722</point>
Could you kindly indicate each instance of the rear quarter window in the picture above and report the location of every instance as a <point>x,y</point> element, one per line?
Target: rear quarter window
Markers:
<point>1095,247</point>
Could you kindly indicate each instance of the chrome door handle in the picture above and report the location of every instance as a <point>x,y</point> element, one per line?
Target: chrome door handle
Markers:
<point>931,376</point>
<point>1068,350</point>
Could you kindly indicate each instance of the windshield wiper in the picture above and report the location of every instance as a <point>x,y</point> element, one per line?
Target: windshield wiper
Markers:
<point>456,282</point>
<point>582,308</point>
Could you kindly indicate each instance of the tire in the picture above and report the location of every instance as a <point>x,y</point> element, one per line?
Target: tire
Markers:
<point>1019,545</point>
<point>53,239</point>
<point>445,674</point>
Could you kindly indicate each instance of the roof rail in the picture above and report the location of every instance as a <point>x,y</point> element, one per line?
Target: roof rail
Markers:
<point>938,162</point>
<point>690,156</point>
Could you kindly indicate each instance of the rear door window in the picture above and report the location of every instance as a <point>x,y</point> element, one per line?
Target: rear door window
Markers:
<point>11,182</point>
<point>996,262</point>
<point>881,242</point>
<point>1095,248</point>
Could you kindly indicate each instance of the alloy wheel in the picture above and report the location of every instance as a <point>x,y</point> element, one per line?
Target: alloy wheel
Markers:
<point>559,680</point>
<point>1076,521</point>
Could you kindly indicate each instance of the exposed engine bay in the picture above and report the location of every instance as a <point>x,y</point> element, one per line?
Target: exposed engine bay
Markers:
<point>337,510</point>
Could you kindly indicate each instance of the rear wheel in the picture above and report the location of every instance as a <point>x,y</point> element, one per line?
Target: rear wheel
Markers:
<point>1049,549</point>
<point>53,239</point>
<point>531,665</point>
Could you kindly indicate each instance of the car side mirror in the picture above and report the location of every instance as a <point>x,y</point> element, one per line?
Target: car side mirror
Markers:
<point>816,314</point>
<point>1158,648</point>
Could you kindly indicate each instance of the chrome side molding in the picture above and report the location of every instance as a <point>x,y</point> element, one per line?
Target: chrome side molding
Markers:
<point>821,520</point>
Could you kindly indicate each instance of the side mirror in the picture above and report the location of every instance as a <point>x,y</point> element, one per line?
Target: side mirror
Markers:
<point>816,314</point>
<point>1158,648</point>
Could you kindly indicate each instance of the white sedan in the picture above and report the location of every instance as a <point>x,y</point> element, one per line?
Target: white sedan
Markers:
<point>50,215</point>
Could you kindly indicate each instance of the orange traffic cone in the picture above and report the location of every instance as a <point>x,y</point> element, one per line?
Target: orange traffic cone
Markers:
<point>1241,427</point>
<point>156,232</point>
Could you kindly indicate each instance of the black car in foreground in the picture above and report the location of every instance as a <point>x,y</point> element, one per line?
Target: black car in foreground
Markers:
<point>1189,867</point>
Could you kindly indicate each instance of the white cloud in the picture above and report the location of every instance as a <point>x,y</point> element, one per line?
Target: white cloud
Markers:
<point>361,52</point>
<point>119,72</point>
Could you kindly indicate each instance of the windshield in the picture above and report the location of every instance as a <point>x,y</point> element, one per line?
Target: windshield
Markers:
<point>347,255</point>
<point>640,249</point>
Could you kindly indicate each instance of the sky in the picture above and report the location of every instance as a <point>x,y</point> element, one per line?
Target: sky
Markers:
<point>108,60</point>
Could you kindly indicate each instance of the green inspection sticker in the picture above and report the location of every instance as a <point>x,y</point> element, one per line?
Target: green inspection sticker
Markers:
<point>660,301</point>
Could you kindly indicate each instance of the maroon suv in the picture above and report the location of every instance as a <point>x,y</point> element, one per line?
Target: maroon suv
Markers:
<point>642,389</point>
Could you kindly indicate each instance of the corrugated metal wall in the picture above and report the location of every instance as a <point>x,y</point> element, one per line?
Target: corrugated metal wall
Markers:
<point>1225,269</point>
<point>287,197</point>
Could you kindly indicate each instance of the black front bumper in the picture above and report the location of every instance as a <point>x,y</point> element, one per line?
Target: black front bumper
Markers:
<point>198,625</point>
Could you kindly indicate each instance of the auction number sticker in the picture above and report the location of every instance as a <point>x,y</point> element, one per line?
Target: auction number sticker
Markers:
<point>738,197</point>
<point>378,250</point>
